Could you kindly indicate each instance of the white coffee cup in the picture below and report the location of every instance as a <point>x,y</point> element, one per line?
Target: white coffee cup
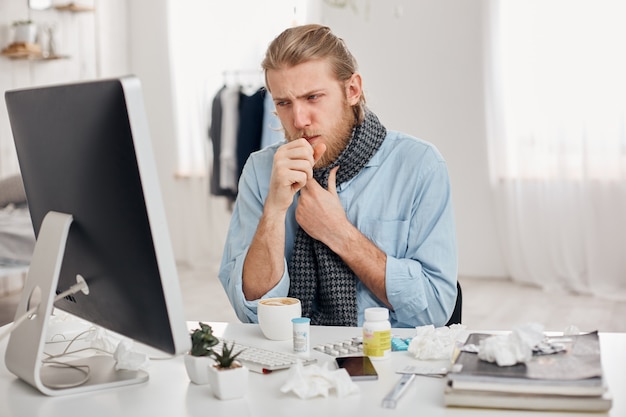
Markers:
<point>275,316</point>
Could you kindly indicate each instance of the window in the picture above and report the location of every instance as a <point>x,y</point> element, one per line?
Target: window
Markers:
<point>559,95</point>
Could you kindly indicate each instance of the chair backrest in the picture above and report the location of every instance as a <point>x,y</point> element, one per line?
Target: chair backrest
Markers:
<point>456,313</point>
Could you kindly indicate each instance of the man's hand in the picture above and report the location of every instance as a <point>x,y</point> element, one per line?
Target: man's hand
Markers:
<point>322,216</point>
<point>320,212</point>
<point>292,169</point>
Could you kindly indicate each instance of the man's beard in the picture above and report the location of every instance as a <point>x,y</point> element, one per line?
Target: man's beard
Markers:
<point>336,139</point>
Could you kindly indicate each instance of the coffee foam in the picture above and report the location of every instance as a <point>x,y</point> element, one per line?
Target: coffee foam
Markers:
<point>279,301</point>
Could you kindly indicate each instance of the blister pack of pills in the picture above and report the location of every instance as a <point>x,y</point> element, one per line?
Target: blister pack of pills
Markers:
<point>348,347</point>
<point>354,346</point>
<point>399,344</point>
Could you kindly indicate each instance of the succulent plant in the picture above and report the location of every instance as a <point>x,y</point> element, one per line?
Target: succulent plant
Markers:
<point>202,340</point>
<point>226,359</point>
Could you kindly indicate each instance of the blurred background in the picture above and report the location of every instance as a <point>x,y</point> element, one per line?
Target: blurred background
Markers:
<point>525,99</point>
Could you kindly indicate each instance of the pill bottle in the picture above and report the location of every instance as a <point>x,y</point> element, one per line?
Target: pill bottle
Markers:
<point>377,333</point>
<point>301,339</point>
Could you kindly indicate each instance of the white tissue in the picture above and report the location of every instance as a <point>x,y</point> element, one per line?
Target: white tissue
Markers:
<point>314,380</point>
<point>510,349</point>
<point>128,359</point>
<point>102,340</point>
<point>432,343</point>
<point>122,348</point>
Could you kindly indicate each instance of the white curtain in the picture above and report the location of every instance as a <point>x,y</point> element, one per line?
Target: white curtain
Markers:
<point>557,140</point>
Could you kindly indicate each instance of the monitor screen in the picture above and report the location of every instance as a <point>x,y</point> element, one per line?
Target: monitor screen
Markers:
<point>84,149</point>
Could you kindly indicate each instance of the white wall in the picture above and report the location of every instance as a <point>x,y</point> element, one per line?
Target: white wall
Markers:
<point>422,63</point>
<point>93,45</point>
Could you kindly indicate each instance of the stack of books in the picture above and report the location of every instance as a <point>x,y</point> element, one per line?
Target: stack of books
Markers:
<point>570,380</point>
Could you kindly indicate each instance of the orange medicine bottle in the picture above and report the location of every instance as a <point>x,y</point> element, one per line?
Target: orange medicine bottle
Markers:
<point>377,333</point>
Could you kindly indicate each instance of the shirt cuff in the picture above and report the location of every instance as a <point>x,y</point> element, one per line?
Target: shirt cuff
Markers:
<point>280,290</point>
<point>405,289</point>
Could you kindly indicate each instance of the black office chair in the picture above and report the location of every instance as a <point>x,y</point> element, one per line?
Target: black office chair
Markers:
<point>456,313</point>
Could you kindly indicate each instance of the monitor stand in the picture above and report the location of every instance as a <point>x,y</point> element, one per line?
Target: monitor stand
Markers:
<point>25,349</point>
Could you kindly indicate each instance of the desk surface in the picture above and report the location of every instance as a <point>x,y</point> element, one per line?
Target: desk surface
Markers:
<point>169,392</point>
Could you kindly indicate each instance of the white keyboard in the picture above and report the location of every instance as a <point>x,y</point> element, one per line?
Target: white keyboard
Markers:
<point>262,360</point>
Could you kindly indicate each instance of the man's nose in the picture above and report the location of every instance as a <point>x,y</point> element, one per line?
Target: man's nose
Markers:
<point>301,117</point>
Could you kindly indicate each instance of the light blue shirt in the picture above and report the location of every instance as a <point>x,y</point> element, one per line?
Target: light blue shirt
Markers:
<point>401,201</point>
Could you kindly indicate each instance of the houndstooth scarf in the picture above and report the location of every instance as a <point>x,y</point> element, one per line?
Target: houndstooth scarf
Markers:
<point>325,285</point>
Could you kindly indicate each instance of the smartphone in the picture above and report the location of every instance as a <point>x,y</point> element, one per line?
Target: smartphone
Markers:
<point>360,368</point>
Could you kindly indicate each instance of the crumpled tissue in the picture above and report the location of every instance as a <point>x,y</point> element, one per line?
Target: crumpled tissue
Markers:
<point>313,380</point>
<point>515,347</point>
<point>125,357</point>
<point>100,339</point>
<point>129,359</point>
<point>432,343</point>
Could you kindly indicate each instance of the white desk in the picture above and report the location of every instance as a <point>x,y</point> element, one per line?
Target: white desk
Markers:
<point>169,392</point>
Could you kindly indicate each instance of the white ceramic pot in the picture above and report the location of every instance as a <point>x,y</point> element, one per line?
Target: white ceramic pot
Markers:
<point>228,384</point>
<point>26,33</point>
<point>198,368</point>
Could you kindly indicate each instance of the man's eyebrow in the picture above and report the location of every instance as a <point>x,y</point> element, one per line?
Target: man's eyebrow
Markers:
<point>305,95</point>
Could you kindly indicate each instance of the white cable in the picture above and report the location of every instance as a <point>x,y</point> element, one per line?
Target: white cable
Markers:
<point>85,369</point>
<point>81,285</point>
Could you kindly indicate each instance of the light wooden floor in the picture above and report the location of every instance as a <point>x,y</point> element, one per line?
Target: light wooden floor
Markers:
<point>488,304</point>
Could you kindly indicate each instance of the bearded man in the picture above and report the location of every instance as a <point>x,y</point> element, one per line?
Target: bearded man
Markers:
<point>344,214</point>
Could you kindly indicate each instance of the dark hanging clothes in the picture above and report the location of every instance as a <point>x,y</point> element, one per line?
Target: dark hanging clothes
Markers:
<point>215,134</point>
<point>230,153</point>
<point>250,126</point>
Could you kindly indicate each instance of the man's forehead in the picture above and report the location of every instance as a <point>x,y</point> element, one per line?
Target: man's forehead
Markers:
<point>297,80</point>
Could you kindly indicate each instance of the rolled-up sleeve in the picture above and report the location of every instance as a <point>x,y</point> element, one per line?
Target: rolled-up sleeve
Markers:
<point>421,284</point>
<point>243,223</point>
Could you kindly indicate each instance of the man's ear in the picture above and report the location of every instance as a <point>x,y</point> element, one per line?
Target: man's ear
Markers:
<point>354,89</point>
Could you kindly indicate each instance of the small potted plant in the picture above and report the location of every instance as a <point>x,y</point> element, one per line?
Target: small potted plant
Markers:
<point>199,359</point>
<point>227,377</point>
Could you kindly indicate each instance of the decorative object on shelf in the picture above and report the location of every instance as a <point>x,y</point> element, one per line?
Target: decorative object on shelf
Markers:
<point>25,31</point>
<point>50,47</point>
<point>227,377</point>
<point>44,50</point>
<point>199,360</point>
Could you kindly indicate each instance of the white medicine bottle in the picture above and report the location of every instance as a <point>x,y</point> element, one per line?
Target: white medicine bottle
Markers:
<point>377,333</point>
<point>301,335</point>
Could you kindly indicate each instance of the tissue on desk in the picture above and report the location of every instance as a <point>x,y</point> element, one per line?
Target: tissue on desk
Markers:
<point>432,343</point>
<point>103,340</point>
<point>512,348</point>
<point>314,380</point>
<point>125,357</point>
<point>128,359</point>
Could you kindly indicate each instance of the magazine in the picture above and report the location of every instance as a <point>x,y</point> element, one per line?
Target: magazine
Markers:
<point>570,380</point>
<point>575,371</point>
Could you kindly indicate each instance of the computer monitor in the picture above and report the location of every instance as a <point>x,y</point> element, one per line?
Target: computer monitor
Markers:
<point>86,159</point>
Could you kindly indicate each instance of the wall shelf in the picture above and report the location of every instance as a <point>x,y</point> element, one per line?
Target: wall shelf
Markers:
<point>74,8</point>
<point>34,57</point>
<point>23,51</point>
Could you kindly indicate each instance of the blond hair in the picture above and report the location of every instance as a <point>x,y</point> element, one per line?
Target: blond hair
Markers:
<point>310,42</point>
